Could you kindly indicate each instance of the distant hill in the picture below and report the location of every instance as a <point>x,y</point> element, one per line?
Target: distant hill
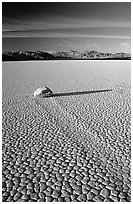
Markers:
<point>73,55</point>
<point>91,55</point>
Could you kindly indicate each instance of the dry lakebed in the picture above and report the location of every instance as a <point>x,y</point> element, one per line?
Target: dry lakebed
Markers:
<point>74,145</point>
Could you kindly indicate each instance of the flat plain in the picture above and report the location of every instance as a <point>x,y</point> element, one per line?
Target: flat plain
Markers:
<point>74,146</point>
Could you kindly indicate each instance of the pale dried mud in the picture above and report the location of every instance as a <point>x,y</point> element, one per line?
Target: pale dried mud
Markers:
<point>75,146</point>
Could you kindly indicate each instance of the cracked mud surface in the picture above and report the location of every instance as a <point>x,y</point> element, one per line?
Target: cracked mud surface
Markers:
<point>66,148</point>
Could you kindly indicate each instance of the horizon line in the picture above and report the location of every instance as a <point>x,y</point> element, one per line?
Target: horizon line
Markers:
<point>67,51</point>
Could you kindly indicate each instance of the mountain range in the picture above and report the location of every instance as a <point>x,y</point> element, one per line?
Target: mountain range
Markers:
<point>66,55</point>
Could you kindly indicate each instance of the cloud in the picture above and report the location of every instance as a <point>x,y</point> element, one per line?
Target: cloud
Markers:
<point>76,32</point>
<point>60,34</point>
<point>65,27</point>
<point>125,46</point>
<point>59,22</point>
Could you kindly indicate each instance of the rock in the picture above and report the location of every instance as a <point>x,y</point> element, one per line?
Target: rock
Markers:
<point>43,92</point>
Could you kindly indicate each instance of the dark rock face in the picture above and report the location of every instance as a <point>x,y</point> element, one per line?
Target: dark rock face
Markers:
<point>27,55</point>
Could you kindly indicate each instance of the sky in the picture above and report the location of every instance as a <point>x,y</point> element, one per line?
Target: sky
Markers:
<point>62,26</point>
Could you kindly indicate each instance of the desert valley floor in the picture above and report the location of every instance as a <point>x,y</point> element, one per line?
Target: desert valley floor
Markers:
<point>74,146</point>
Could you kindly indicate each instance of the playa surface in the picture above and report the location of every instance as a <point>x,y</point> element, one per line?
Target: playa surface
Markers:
<point>74,146</point>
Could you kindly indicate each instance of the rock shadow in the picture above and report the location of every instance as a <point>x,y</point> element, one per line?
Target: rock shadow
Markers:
<point>78,93</point>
